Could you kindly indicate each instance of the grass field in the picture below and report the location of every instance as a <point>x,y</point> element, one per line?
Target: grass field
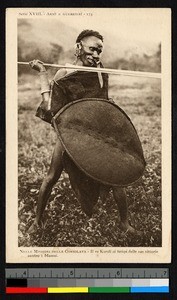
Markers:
<point>66,224</point>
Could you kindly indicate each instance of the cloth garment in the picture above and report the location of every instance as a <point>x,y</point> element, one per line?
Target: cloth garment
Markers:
<point>73,86</point>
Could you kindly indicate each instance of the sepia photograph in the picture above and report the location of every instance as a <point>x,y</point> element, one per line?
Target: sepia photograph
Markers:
<point>88,135</point>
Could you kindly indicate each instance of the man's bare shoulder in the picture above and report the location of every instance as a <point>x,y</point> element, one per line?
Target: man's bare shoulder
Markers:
<point>60,73</point>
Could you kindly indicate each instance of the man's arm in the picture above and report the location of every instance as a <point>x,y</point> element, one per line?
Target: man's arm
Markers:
<point>45,86</point>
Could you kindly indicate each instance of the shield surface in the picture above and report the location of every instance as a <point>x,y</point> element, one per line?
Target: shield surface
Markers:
<point>101,140</point>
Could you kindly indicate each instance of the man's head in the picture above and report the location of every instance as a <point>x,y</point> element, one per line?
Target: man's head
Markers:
<point>89,46</point>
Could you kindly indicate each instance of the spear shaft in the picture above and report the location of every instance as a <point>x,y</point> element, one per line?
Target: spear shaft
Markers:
<point>102,70</point>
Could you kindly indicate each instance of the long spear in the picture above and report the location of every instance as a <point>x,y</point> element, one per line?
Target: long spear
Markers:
<point>102,70</point>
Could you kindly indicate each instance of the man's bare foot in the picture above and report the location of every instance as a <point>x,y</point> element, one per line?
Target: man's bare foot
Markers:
<point>125,226</point>
<point>34,227</point>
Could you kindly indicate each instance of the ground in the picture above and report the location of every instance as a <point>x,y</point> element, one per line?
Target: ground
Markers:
<point>65,223</point>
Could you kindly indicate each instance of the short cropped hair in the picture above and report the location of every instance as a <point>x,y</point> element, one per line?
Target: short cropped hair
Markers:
<point>86,33</point>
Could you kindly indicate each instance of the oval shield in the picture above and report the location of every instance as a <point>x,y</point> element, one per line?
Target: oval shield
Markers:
<point>101,140</point>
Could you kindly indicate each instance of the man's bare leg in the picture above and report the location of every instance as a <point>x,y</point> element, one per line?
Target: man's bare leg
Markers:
<point>121,200</point>
<point>53,175</point>
<point>51,178</point>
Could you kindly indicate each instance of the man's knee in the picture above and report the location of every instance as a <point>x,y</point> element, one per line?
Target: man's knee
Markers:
<point>51,179</point>
<point>119,193</point>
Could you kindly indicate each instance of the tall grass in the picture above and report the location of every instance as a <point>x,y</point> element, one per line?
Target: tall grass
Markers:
<point>66,224</point>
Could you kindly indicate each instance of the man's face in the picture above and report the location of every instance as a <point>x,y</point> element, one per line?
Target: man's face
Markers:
<point>91,51</point>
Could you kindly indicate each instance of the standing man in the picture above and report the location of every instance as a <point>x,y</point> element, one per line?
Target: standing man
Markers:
<point>66,87</point>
